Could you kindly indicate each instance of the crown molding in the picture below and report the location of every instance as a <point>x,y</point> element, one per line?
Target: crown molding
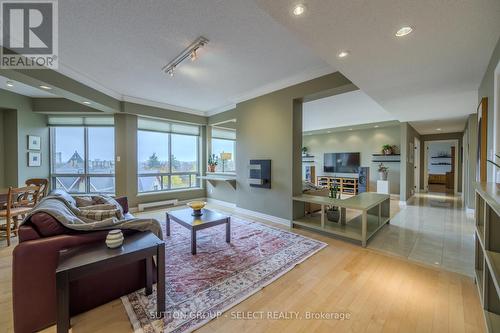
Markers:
<point>161,105</point>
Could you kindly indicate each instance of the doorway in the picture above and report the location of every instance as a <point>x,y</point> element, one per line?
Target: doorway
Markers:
<point>416,165</point>
<point>441,166</point>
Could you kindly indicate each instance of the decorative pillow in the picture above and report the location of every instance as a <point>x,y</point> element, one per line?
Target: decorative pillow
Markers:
<point>99,215</point>
<point>84,201</point>
<point>98,200</point>
<point>47,226</point>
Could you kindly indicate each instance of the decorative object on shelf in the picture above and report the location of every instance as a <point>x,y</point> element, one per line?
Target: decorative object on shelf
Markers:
<point>382,171</point>
<point>304,151</point>
<point>388,149</point>
<point>34,159</point>
<point>260,173</point>
<point>225,157</point>
<point>114,239</point>
<point>196,206</point>
<point>213,160</point>
<point>34,142</point>
<point>333,212</point>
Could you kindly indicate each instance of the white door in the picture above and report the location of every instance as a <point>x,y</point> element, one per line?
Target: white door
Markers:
<point>416,165</point>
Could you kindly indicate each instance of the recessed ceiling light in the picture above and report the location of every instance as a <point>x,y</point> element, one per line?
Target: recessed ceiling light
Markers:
<point>343,54</point>
<point>438,129</point>
<point>376,126</point>
<point>329,132</point>
<point>9,84</point>
<point>86,102</point>
<point>45,87</point>
<point>299,9</point>
<point>404,31</point>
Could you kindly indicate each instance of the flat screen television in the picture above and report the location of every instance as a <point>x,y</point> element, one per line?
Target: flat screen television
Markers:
<point>341,162</point>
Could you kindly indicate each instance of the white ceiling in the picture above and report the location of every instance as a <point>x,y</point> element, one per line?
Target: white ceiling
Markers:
<point>342,110</point>
<point>23,89</point>
<point>433,73</point>
<point>436,126</point>
<point>120,46</point>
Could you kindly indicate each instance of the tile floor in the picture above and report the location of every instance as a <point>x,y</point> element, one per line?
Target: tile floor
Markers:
<point>433,229</point>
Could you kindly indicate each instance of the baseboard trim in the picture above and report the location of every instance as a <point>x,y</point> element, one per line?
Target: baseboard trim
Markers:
<point>177,203</point>
<point>263,216</point>
<point>221,203</point>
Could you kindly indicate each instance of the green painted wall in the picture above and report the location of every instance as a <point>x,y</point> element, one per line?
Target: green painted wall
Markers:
<point>26,123</point>
<point>2,151</point>
<point>151,111</point>
<point>486,89</point>
<point>365,141</point>
<point>268,129</point>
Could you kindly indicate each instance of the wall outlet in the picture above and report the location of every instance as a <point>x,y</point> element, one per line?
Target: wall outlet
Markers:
<point>118,158</point>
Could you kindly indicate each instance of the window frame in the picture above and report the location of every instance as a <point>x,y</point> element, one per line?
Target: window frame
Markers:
<point>86,175</point>
<point>171,172</point>
<point>215,137</point>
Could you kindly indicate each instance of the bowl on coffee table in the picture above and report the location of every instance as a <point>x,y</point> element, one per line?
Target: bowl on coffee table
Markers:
<point>196,206</point>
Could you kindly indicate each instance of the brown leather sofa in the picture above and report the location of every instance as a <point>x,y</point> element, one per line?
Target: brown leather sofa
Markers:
<point>35,260</point>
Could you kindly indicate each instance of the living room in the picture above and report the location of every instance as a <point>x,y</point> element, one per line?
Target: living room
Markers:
<point>155,183</point>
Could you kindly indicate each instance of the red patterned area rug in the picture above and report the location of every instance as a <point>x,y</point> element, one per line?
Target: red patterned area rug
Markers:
<point>201,287</point>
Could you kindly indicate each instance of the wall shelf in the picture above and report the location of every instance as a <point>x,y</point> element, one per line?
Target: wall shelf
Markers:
<point>382,158</point>
<point>214,179</point>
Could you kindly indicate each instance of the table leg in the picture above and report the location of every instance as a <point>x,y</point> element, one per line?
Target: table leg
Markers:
<point>149,276</point>
<point>160,285</point>
<point>364,222</point>
<point>342,216</point>
<point>62,285</point>
<point>322,216</point>
<point>228,230</point>
<point>193,241</point>
<point>168,225</point>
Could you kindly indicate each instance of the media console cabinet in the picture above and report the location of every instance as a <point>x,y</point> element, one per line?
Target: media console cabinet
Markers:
<point>347,185</point>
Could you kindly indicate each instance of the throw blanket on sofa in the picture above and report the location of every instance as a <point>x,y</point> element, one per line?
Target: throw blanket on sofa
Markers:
<point>104,215</point>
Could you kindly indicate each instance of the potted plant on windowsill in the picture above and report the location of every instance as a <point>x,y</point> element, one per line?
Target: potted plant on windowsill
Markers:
<point>213,160</point>
<point>382,171</point>
<point>333,212</point>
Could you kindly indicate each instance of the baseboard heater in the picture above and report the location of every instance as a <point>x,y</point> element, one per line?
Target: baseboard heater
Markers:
<point>172,202</point>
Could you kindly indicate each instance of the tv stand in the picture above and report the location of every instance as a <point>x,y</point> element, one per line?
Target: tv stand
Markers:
<point>347,185</point>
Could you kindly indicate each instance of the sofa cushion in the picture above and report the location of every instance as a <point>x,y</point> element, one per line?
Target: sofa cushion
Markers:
<point>83,201</point>
<point>47,226</point>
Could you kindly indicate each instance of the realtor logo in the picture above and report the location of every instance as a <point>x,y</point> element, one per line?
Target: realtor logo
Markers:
<point>29,34</point>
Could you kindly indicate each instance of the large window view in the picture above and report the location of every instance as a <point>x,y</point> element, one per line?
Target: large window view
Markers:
<point>168,155</point>
<point>82,155</point>
<point>224,148</point>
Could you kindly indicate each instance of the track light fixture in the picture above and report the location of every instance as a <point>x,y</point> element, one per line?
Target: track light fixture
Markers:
<point>190,52</point>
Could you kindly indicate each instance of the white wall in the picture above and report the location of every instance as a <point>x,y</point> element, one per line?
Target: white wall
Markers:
<point>435,149</point>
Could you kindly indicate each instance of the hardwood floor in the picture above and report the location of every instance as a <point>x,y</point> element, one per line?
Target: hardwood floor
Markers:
<point>380,293</point>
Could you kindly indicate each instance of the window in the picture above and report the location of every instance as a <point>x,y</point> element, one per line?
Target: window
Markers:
<point>224,147</point>
<point>82,154</point>
<point>168,155</point>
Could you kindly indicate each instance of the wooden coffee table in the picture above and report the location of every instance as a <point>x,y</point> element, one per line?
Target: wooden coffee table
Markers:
<point>195,223</point>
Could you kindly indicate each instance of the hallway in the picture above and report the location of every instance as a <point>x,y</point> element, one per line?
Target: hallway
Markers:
<point>433,229</point>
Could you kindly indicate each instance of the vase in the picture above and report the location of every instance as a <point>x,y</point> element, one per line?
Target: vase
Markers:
<point>387,151</point>
<point>114,239</point>
<point>382,175</point>
<point>333,215</point>
<point>211,168</point>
